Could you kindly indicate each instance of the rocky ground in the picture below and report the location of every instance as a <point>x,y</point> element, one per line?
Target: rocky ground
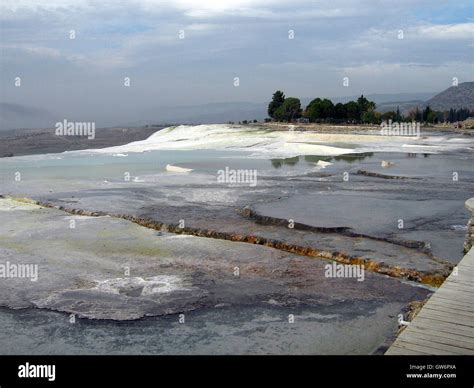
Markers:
<point>41,141</point>
<point>163,244</point>
<point>84,272</point>
<point>106,268</point>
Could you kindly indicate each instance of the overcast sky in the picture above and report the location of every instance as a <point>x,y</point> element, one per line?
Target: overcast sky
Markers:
<point>84,77</point>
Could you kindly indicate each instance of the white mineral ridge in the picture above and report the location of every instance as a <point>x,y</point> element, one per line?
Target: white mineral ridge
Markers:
<point>265,143</point>
<point>323,164</point>
<point>171,168</point>
<point>10,204</point>
<point>147,286</point>
<point>386,164</point>
<point>262,143</point>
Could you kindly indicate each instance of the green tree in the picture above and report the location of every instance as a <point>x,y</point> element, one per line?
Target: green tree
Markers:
<point>364,104</point>
<point>398,116</point>
<point>319,110</point>
<point>451,115</point>
<point>277,101</point>
<point>369,117</point>
<point>352,110</point>
<point>432,117</point>
<point>418,114</point>
<point>415,114</point>
<point>426,113</point>
<point>389,116</point>
<point>328,109</point>
<point>378,117</point>
<point>314,110</point>
<point>340,111</point>
<point>290,110</point>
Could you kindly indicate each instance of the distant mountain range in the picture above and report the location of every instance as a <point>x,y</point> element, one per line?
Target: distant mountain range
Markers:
<point>21,116</point>
<point>461,96</point>
<point>238,111</point>
<point>14,116</point>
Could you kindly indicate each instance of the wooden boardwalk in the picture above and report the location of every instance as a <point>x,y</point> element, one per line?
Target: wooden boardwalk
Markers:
<point>445,324</point>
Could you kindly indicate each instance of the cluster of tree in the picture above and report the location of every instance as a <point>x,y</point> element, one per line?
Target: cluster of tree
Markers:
<point>288,109</point>
<point>431,116</point>
<point>322,110</point>
<point>374,117</point>
<point>283,108</point>
<point>458,114</point>
<point>243,122</point>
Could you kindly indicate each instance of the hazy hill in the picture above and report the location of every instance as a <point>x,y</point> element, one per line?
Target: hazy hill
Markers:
<point>238,111</point>
<point>461,96</point>
<point>14,115</point>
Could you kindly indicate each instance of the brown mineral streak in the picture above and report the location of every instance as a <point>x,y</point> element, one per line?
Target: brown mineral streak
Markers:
<point>433,278</point>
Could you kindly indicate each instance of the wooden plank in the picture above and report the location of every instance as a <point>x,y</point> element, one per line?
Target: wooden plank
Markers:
<point>422,348</point>
<point>417,328</point>
<point>442,340</point>
<point>412,347</point>
<point>464,269</point>
<point>441,304</point>
<point>449,310</point>
<point>468,322</point>
<point>448,297</point>
<point>456,304</point>
<point>463,274</point>
<point>464,284</point>
<point>460,288</point>
<point>454,296</point>
<point>443,299</point>
<point>398,351</point>
<point>466,262</point>
<point>456,287</point>
<point>444,326</point>
<point>461,302</point>
<point>429,344</point>
<point>456,283</point>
